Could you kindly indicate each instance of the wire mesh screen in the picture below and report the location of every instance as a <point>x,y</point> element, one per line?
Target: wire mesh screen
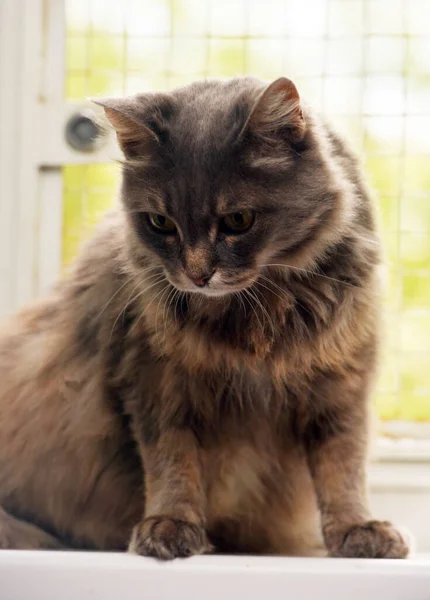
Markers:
<point>365,63</point>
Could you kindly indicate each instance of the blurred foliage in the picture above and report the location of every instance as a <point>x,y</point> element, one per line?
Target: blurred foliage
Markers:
<point>367,83</point>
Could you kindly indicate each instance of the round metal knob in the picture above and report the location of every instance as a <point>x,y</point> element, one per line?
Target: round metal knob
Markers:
<point>83,131</point>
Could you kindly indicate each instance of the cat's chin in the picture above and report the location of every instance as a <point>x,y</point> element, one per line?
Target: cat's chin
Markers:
<point>213,293</point>
<point>207,292</point>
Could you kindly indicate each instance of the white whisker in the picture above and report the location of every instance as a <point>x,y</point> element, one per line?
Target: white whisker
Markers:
<point>135,297</point>
<point>312,273</point>
<point>116,293</point>
<point>156,313</point>
<point>253,309</point>
<point>178,298</point>
<point>242,304</point>
<point>289,295</point>
<point>140,282</point>
<point>130,278</point>
<point>167,305</point>
<point>271,291</point>
<point>265,312</point>
<point>148,305</point>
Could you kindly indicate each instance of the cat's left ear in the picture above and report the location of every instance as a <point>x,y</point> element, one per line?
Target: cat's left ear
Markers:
<point>126,115</point>
<point>278,112</point>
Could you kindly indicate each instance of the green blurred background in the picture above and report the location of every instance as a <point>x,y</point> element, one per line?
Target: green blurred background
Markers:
<point>364,63</point>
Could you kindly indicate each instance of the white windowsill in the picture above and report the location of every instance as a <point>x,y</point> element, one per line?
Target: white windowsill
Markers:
<point>100,576</point>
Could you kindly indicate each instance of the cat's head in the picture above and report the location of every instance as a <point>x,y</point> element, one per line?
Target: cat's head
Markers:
<point>223,179</point>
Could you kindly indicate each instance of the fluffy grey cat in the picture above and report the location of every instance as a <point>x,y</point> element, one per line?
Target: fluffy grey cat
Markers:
<point>201,378</point>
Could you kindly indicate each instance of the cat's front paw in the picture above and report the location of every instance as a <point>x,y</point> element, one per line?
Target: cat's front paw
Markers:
<point>166,538</point>
<point>374,539</point>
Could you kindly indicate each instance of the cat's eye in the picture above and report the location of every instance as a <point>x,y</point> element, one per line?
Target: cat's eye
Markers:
<point>238,222</point>
<point>161,223</point>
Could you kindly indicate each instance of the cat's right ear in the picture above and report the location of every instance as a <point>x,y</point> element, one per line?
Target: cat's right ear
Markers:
<point>278,113</point>
<point>125,116</point>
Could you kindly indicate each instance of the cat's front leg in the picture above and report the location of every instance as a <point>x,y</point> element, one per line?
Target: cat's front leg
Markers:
<point>337,439</point>
<point>174,521</point>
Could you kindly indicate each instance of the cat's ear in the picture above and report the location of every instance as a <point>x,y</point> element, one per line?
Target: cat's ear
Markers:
<point>278,112</point>
<point>127,117</point>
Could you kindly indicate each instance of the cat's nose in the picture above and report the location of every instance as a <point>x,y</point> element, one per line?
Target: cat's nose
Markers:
<point>201,280</point>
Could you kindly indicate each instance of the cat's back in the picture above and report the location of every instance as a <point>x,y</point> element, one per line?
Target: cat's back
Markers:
<point>40,339</point>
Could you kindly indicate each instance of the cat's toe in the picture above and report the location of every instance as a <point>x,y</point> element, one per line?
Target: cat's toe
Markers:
<point>166,538</point>
<point>374,539</point>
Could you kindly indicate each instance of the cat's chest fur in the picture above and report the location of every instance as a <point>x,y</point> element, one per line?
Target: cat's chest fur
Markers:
<point>209,378</point>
